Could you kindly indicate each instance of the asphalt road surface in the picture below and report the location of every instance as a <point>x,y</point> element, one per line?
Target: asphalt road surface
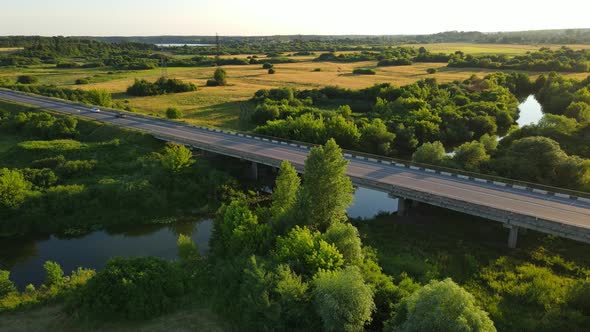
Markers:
<point>548,207</point>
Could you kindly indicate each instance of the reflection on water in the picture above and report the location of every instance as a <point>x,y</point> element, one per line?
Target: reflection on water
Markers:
<point>530,112</point>
<point>25,257</point>
<point>368,203</point>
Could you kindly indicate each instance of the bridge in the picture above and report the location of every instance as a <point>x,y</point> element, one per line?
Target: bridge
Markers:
<point>517,205</point>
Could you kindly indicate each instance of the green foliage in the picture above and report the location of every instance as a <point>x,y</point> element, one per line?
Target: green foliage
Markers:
<point>54,275</point>
<point>306,252</point>
<point>187,250</point>
<point>271,71</point>
<point>471,155</point>
<point>161,86</point>
<point>346,239</point>
<point>267,65</point>
<point>342,299</point>
<point>27,79</point>
<point>364,71</point>
<point>327,192</point>
<point>293,298</point>
<point>220,76</point>
<point>237,231</point>
<point>212,83</point>
<point>174,113</point>
<point>284,195</point>
<point>134,288</point>
<point>440,306</point>
<point>13,188</point>
<point>429,153</point>
<point>176,158</point>
<point>6,285</point>
<point>431,71</point>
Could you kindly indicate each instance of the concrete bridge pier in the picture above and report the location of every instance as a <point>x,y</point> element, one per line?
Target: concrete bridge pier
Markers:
<point>512,236</point>
<point>403,205</point>
<point>254,171</point>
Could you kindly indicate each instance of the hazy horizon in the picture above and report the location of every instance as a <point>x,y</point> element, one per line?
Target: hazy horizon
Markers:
<point>267,18</point>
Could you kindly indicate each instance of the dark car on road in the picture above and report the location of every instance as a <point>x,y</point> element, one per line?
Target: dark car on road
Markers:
<point>121,115</point>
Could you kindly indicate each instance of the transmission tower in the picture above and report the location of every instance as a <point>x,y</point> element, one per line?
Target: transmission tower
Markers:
<point>163,67</point>
<point>218,49</point>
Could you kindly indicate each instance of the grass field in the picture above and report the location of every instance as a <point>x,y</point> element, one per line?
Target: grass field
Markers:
<point>52,318</point>
<point>220,106</point>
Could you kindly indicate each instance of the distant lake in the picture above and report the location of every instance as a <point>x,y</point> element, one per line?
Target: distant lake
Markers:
<point>180,45</point>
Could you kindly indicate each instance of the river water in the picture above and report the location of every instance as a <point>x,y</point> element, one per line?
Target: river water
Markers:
<point>25,257</point>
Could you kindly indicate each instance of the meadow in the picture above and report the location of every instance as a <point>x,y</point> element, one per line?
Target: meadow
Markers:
<point>220,106</point>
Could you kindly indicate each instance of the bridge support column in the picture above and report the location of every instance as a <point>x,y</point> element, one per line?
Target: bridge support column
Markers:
<point>512,236</point>
<point>254,171</point>
<point>402,206</point>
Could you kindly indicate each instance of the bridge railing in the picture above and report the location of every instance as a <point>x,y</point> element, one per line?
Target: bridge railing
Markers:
<point>428,168</point>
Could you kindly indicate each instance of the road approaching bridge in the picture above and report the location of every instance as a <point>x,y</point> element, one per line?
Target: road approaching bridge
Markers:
<point>514,205</point>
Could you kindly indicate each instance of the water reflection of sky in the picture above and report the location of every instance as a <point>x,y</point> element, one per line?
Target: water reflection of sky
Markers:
<point>95,249</point>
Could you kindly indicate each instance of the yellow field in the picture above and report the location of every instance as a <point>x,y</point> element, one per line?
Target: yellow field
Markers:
<point>9,49</point>
<point>219,106</point>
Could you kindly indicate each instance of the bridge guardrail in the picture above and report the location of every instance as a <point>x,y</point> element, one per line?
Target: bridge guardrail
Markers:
<point>428,168</point>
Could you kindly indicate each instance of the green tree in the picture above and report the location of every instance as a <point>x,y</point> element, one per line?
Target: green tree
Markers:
<point>470,155</point>
<point>306,252</point>
<point>346,133</point>
<point>490,142</point>
<point>176,158</point>
<point>285,193</point>
<point>54,275</point>
<point>13,188</point>
<point>100,97</point>
<point>237,230</point>
<point>173,113</point>
<point>440,306</point>
<point>343,300</point>
<point>375,138</point>
<point>27,79</point>
<point>346,239</point>
<point>579,111</point>
<point>293,297</point>
<point>187,250</point>
<point>429,153</point>
<point>327,190</point>
<point>258,309</point>
<point>6,285</point>
<point>220,76</point>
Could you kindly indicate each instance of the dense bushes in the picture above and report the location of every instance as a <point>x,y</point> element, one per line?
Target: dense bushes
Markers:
<point>364,71</point>
<point>161,86</point>
<point>563,59</point>
<point>98,97</point>
<point>134,288</point>
<point>27,79</point>
<point>174,113</point>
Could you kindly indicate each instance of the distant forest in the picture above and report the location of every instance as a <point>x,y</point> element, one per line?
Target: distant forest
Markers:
<point>560,36</point>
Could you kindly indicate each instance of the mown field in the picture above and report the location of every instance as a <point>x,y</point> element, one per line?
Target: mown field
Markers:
<point>220,106</point>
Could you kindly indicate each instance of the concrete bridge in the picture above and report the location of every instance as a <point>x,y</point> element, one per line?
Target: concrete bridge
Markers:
<point>516,205</point>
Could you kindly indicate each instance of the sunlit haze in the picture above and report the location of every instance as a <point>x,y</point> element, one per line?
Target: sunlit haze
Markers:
<point>264,17</point>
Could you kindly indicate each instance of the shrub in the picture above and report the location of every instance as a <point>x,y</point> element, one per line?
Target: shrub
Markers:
<point>161,86</point>
<point>317,69</point>
<point>72,167</point>
<point>174,113</point>
<point>440,306</point>
<point>27,79</point>
<point>6,285</point>
<point>271,71</point>
<point>131,288</point>
<point>431,70</point>
<point>81,81</point>
<point>364,71</point>
<point>220,76</point>
<point>54,275</point>
<point>267,65</point>
<point>212,83</point>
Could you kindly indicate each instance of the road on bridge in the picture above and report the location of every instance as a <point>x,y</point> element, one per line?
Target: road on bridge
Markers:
<point>537,205</point>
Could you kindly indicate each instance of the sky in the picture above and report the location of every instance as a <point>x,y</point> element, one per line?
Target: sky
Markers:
<point>265,17</point>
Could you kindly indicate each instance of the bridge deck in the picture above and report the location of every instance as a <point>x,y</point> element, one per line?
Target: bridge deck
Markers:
<point>549,208</point>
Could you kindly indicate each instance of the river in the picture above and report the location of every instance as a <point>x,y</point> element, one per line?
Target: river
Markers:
<point>25,257</point>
